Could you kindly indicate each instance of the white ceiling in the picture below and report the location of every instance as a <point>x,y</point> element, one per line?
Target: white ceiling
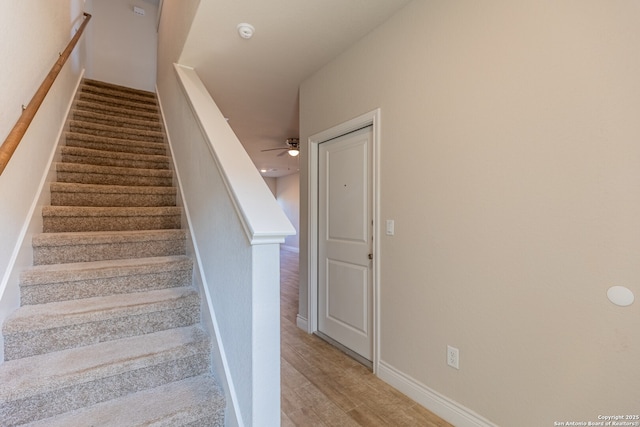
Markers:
<point>255,82</point>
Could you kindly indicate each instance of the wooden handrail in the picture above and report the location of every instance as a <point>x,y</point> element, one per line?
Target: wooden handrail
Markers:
<point>10,144</point>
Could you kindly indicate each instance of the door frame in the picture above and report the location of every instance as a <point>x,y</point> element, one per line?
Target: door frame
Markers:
<point>313,146</point>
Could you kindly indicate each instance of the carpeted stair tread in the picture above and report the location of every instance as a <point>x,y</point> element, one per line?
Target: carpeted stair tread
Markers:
<point>77,194</point>
<point>92,211</point>
<point>124,121</point>
<point>42,386</point>
<point>52,248</point>
<point>95,142</point>
<point>115,111</point>
<point>112,175</point>
<point>109,170</point>
<point>100,237</point>
<point>59,282</point>
<point>113,158</point>
<point>195,401</point>
<point>24,377</point>
<point>117,96</point>
<point>115,131</point>
<point>67,187</point>
<point>71,312</point>
<point>99,86</point>
<point>44,328</point>
<point>58,219</point>
<point>132,103</point>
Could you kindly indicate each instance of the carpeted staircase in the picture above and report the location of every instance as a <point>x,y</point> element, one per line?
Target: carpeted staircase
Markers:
<point>108,330</point>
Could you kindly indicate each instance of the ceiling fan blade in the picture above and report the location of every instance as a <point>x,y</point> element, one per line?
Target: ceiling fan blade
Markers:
<point>274,149</point>
<point>282,154</point>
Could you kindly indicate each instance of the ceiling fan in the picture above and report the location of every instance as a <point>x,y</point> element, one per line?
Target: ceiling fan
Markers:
<point>292,148</point>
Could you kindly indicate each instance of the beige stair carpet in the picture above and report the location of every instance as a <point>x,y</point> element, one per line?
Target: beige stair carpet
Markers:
<point>108,332</point>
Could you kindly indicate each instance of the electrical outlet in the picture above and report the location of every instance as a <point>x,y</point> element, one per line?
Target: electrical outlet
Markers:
<point>453,357</point>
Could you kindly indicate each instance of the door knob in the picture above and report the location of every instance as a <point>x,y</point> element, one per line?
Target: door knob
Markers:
<point>370,256</point>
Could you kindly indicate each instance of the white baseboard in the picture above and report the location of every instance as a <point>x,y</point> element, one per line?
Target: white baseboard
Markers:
<point>440,405</point>
<point>302,323</point>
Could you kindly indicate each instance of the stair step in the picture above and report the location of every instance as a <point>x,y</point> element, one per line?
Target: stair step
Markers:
<point>113,175</point>
<point>73,194</point>
<point>54,248</point>
<point>58,219</point>
<point>195,402</point>
<point>115,111</point>
<point>94,142</point>
<point>46,385</point>
<point>115,131</point>
<point>132,103</point>
<point>108,329</point>
<point>95,86</point>
<point>45,328</point>
<point>61,282</point>
<point>113,158</point>
<point>124,121</point>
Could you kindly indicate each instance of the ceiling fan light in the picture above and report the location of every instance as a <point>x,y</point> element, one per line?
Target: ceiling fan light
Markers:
<point>294,152</point>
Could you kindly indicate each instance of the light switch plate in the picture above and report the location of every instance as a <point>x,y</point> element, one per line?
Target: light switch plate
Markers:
<point>391,227</point>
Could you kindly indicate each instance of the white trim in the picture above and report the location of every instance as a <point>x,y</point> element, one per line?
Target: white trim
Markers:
<point>205,288</point>
<point>452,411</point>
<point>371,118</point>
<point>263,220</point>
<point>302,323</point>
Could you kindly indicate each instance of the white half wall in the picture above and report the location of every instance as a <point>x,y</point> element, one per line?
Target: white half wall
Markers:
<point>237,227</point>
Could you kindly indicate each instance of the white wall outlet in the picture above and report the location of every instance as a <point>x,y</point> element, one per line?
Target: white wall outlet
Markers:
<point>453,357</point>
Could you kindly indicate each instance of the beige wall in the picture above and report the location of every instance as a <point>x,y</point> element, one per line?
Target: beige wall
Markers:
<point>32,33</point>
<point>288,196</point>
<point>510,161</point>
<point>123,45</point>
<point>272,183</point>
<point>177,16</point>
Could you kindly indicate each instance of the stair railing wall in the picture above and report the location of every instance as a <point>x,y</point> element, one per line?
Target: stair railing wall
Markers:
<point>29,111</point>
<point>237,228</point>
<point>23,185</point>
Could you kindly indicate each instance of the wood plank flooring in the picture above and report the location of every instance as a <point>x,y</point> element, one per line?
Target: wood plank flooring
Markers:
<point>321,386</point>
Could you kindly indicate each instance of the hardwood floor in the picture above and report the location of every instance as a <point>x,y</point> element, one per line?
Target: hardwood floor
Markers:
<point>321,386</point>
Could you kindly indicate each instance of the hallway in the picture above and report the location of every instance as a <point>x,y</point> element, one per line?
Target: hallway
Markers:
<point>321,386</point>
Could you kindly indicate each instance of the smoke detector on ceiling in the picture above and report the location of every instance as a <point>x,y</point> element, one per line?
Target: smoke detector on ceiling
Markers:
<point>246,30</point>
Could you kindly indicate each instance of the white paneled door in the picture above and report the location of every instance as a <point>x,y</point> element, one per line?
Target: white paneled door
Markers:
<point>345,237</point>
